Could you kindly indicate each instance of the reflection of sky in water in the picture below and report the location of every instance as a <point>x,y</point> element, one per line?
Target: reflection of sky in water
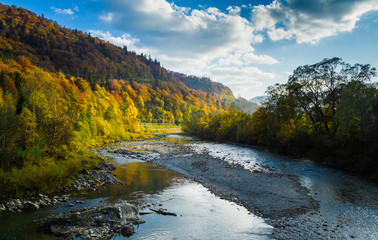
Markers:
<point>345,200</point>
<point>330,183</point>
<point>204,216</point>
<point>200,215</point>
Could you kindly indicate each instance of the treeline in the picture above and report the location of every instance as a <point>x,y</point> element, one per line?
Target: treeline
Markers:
<point>327,111</point>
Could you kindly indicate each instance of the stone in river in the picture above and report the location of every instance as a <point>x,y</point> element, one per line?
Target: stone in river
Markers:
<point>98,222</point>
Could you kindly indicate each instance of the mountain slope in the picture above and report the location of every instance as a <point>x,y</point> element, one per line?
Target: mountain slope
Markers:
<point>73,52</point>
<point>218,90</point>
<point>205,84</point>
<point>244,105</point>
<point>258,100</point>
<point>158,96</point>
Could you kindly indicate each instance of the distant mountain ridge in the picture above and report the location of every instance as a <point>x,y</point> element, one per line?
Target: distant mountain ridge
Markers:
<point>218,90</point>
<point>244,105</point>
<point>259,99</point>
<point>205,84</point>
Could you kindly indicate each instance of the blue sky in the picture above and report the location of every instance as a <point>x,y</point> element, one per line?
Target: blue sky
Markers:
<point>245,44</point>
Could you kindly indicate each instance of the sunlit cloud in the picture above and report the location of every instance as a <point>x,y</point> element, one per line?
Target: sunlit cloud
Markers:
<point>184,39</point>
<point>309,21</point>
<point>62,11</point>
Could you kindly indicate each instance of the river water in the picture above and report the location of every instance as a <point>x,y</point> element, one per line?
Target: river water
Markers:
<point>347,203</point>
<point>200,214</point>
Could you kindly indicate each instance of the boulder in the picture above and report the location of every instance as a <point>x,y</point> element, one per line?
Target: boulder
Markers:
<point>98,222</point>
<point>2,208</point>
<point>18,204</point>
<point>31,206</point>
<point>127,230</point>
<point>11,206</point>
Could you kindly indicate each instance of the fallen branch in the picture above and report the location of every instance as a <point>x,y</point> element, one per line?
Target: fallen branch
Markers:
<point>163,212</point>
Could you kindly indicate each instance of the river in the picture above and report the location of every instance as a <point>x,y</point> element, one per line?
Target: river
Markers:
<point>347,205</point>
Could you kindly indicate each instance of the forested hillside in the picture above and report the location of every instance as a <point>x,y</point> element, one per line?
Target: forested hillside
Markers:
<point>327,110</point>
<point>218,90</point>
<point>205,84</point>
<point>62,91</point>
<point>158,96</point>
<point>73,52</point>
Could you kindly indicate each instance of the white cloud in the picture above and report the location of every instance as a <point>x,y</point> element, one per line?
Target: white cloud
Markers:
<point>108,18</point>
<point>124,40</point>
<point>309,21</point>
<point>247,81</point>
<point>192,41</point>
<point>76,9</point>
<point>177,31</point>
<point>62,11</point>
<point>234,10</point>
<point>279,34</point>
<point>133,44</point>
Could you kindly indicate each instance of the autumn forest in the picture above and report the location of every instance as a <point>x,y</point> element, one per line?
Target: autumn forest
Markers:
<point>63,91</point>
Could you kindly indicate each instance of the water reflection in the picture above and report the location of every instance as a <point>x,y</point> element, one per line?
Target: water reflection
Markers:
<point>201,215</point>
<point>139,178</point>
<point>347,203</point>
<point>324,183</point>
<point>21,226</point>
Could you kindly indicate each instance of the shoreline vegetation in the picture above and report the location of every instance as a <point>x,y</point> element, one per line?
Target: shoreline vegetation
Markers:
<point>86,180</point>
<point>327,111</point>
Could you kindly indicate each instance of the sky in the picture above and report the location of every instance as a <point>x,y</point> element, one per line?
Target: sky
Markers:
<point>247,45</point>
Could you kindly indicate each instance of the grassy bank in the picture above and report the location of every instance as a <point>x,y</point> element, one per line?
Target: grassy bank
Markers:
<point>160,128</point>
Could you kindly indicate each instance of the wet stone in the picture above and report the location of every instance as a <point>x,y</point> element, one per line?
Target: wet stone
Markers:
<point>98,222</point>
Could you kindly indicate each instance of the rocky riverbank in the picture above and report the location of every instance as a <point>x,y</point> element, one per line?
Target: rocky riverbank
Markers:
<point>98,222</point>
<point>265,192</point>
<point>88,180</point>
<point>270,195</point>
<point>31,204</point>
<point>278,197</point>
<point>92,180</point>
